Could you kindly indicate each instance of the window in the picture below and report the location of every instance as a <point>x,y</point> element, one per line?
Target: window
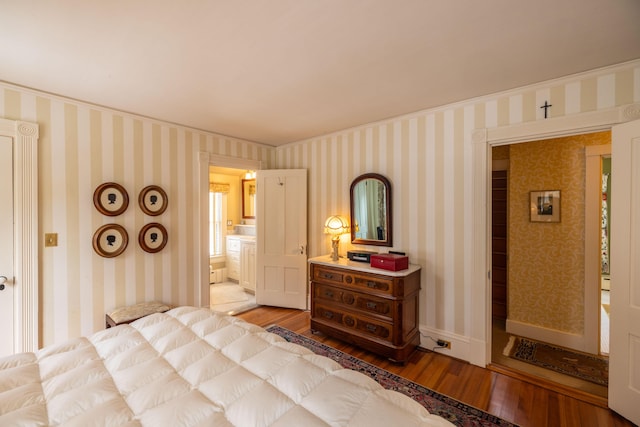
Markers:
<point>217,219</point>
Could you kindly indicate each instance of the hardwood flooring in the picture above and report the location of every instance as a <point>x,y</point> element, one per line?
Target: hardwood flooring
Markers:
<point>520,400</point>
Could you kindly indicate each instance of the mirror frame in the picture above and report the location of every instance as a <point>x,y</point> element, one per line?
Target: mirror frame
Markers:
<point>389,221</point>
<point>244,210</point>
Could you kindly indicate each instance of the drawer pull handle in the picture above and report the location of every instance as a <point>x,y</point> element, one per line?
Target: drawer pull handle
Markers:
<point>372,328</point>
<point>372,284</point>
<point>372,305</point>
<point>327,276</point>
<point>328,315</point>
<point>328,294</point>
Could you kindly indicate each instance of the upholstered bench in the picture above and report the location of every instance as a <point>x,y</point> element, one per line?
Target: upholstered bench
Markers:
<point>130,313</point>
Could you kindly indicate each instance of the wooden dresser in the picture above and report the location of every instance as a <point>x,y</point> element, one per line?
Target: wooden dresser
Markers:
<point>372,308</point>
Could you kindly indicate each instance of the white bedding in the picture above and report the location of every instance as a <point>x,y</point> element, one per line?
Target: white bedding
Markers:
<point>192,367</point>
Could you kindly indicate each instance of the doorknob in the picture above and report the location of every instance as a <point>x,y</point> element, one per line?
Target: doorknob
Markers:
<point>3,280</point>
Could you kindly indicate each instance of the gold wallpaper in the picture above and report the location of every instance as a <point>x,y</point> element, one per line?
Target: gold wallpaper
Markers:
<point>546,260</point>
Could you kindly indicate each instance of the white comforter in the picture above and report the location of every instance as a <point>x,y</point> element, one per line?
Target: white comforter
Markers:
<point>191,367</point>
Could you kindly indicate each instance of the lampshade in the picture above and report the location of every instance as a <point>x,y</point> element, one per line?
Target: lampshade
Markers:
<point>336,225</point>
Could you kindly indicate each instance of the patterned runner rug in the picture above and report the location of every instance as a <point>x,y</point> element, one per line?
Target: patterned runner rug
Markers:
<point>580,365</point>
<point>453,410</point>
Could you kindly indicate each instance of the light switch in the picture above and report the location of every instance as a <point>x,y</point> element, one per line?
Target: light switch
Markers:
<point>50,239</point>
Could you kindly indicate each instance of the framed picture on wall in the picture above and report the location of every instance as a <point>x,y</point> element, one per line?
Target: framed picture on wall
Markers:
<point>545,206</point>
<point>110,240</point>
<point>153,237</point>
<point>153,200</point>
<point>110,199</point>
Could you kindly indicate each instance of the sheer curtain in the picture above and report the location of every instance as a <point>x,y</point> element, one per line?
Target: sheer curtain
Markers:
<point>217,218</point>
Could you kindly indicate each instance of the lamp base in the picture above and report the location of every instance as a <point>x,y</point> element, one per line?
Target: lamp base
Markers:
<point>334,244</point>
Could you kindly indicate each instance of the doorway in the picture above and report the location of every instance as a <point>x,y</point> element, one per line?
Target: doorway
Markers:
<point>23,327</point>
<point>205,162</point>
<point>526,157</point>
<point>231,237</point>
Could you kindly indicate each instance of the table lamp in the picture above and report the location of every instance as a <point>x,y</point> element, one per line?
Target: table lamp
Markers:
<point>336,226</point>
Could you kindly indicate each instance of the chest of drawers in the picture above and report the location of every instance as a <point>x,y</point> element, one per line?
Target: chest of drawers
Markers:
<point>372,308</point>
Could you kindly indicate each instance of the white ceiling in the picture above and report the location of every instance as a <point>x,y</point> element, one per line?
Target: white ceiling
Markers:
<point>277,71</point>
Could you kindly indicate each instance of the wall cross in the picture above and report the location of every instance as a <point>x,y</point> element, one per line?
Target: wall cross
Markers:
<point>546,107</point>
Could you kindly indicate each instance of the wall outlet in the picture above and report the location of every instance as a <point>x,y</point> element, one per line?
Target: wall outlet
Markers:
<point>444,344</point>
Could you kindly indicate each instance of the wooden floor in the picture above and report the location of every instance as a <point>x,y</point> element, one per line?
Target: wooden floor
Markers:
<point>515,399</point>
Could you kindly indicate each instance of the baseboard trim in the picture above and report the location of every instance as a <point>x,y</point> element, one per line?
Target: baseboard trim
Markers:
<point>459,344</point>
<point>551,336</point>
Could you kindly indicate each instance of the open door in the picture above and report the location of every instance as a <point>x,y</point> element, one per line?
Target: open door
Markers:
<point>281,228</point>
<point>7,333</point>
<point>624,358</point>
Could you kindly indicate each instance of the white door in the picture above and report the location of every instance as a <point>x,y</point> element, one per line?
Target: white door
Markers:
<point>7,338</point>
<point>624,358</point>
<point>281,228</point>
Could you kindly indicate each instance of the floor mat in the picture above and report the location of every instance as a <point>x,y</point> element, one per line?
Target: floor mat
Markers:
<point>225,294</point>
<point>580,365</point>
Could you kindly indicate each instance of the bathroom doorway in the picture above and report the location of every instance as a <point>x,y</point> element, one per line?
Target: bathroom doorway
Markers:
<point>231,234</point>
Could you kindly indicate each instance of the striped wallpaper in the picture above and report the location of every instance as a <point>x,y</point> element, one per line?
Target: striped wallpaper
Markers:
<point>82,146</point>
<point>428,158</point>
<point>426,155</point>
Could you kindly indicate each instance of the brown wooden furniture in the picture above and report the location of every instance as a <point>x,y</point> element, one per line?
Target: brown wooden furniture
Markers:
<point>372,308</point>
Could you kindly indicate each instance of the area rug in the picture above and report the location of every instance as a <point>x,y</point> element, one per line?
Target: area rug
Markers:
<point>580,365</point>
<point>225,294</point>
<point>450,409</point>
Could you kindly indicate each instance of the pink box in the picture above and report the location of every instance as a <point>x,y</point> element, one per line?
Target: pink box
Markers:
<point>391,262</point>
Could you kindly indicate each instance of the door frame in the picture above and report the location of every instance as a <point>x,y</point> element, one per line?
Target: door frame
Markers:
<point>482,140</point>
<point>206,159</point>
<point>26,322</point>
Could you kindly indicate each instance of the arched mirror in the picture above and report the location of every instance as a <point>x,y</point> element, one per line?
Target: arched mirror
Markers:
<point>371,210</point>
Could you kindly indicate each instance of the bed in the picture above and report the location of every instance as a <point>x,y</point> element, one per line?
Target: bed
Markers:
<point>192,367</point>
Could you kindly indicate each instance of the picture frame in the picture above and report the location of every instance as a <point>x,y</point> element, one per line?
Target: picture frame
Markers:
<point>111,199</point>
<point>110,240</point>
<point>153,237</point>
<point>153,200</point>
<point>544,206</point>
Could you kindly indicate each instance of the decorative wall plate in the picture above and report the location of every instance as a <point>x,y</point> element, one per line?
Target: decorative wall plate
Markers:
<point>111,199</point>
<point>110,240</point>
<point>153,200</point>
<point>153,237</point>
